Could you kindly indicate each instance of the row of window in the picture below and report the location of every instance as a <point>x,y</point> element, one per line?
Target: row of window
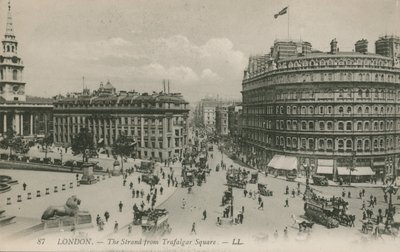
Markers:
<point>322,110</point>
<point>310,125</point>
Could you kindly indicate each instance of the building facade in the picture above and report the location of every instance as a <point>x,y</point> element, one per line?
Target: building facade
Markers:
<point>26,115</point>
<point>221,119</point>
<point>158,121</point>
<point>341,108</point>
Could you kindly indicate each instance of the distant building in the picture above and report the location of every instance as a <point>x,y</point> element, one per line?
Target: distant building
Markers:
<point>221,119</point>
<point>289,48</point>
<point>361,46</point>
<point>324,112</point>
<point>26,115</point>
<point>158,121</point>
<point>388,46</point>
<point>235,120</point>
<point>206,112</point>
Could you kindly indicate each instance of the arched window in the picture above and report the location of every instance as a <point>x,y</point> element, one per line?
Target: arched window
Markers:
<point>366,126</point>
<point>367,146</point>
<point>311,110</point>
<point>321,144</point>
<point>303,125</point>
<point>288,110</point>
<point>321,109</point>
<point>329,110</point>
<point>340,126</point>
<point>375,145</point>
<point>349,110</point>
<point>329,144</point>
<point>349,144</point>
<point>348,126</point>
<point>381,143</point>
<point>8,48</point>
<point>288,125</point>
<point>303,110</point>
<point>329,125</point>
<point>359,145</point>
<point>359,126</point>
<point>367,110</point>
<point>359,91</point>
<point>367,93</point>
<point>311,145</point>
<point>15,74</point>
<point>294,125</point>
<point>321,126</point>
<point>381,125</point>
<point>294,142</point>
<point>294,110</point>
<point>310,125</point>
<point>341,109</point>
<point>375,125</point>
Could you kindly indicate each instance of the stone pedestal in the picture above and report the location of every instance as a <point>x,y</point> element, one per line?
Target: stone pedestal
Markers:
<point>88,177</point>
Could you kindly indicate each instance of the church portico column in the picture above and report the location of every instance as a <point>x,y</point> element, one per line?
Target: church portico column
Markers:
<point>16,123</point>
<point>5,123</point>
<point>31,124</point>
<point>21,124</point>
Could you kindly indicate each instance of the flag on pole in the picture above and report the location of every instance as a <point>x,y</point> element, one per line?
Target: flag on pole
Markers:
<point>282,12</point>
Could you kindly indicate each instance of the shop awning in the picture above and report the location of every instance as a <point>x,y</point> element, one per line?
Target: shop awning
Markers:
<point>359,171</point>
<point>281,162</point>
<point>325,166</point>
<point>379,163</point>
<point>325,170</point>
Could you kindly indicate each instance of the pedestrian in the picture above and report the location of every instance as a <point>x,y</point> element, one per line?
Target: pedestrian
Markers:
<point>276,234</point>
<point>130,185</point>
<point>287,190</point>
<point>285,233</point>
<point>259,199</point>
<point>106,216</point>
<point>360,194</point>
<point>24,186</point>
<point>148,198</point>
<point>298,185</point>
<point>261,205</point>
<point>161,190</point>
<point>120,205</point>
<point>98,219</point>
<point>137,193</point>
<point>349,195</point>
<point>363,205</point>
<point>183,203</point>
<point>204,215</point>
<point>142,205</point>
<point>286,202</point>
<point>141,193</point>
<point>343,193</point>
<point>384,196</point>
<point>298,192</point>
<point>138,179</point>
<point>116,227</point>
<point>101,225</point>
<point>375,200</point>
<point>124,182</point>
<point>133,193</point>
<point>77,176</point>
<point>245,192</point>
<point>363,192</point>
<point>129,229</point>
<point>193,228</point>
<point>293,193</point>
<point>242,209</point>
<point>169,182</point>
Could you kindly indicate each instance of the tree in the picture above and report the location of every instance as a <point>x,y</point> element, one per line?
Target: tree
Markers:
<point>47,140</point>
<point>123,147</point>
<point>83,143</point>
<point>13,142</point>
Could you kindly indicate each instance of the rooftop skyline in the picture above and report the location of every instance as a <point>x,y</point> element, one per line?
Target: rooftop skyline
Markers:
<point>201,46</point>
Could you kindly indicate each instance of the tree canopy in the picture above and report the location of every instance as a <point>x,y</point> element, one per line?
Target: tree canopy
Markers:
<point>83,143</point>
<point>14,142</point>
<point>124,146</point>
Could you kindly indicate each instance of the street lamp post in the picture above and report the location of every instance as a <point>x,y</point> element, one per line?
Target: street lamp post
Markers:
<point>390,189</point>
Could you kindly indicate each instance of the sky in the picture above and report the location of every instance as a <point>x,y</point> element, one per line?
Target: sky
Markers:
<point>201,46</point>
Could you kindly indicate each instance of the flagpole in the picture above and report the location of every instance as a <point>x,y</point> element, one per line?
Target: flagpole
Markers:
<point>288,12</point>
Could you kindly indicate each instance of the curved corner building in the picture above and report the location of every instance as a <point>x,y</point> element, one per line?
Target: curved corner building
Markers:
<point>326,111</point>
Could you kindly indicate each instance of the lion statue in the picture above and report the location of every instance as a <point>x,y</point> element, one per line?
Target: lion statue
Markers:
<point>71,208</point>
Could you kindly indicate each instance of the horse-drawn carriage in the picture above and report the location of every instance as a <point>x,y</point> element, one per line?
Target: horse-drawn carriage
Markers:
<point>320,180</point>
<point>146,167</point>
<point>291,176</point>
<point>227,197</point>
<point>188,177</point>
<point>150,179</point>
<point>262,189</point>
<point>320,214</point>
<point>156,223</point>
<point>236,177</point>
<point>254,178</point>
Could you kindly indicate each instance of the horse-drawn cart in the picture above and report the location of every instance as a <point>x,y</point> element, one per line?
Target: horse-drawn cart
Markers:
<point>156,223</point>
<point>262,189</point>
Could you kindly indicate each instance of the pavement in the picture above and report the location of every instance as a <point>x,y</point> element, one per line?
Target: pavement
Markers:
<point>256,233</point>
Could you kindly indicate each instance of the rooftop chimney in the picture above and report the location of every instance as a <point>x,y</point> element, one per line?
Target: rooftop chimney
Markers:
<point>334,48</point>
<point>361,46</point>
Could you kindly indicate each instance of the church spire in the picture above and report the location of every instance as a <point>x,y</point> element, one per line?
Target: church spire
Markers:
<point>9,27</point>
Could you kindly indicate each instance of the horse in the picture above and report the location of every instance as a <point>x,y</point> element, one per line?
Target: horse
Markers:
<point>302,224</point>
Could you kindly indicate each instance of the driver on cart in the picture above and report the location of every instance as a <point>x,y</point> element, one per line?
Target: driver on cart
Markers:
<point>189,189</point>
